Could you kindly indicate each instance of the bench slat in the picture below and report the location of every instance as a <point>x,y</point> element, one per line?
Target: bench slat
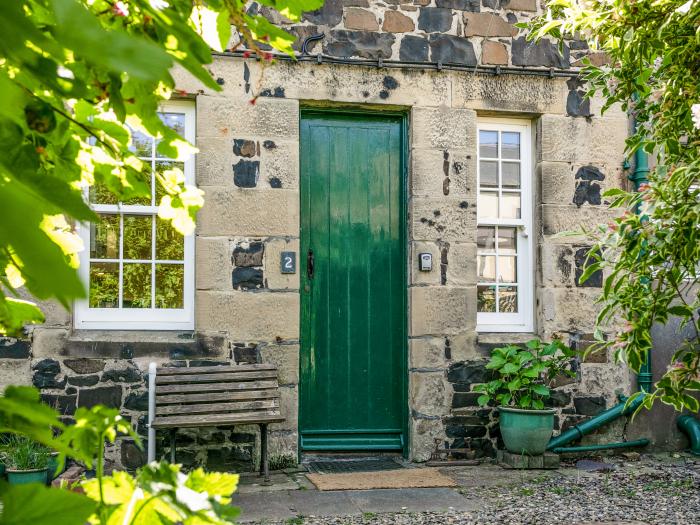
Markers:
<point>246,395</point>
<point>172,371</point>
<point>221,408</point>
<point>215,387</point>
<point>217,378</point>
<point>203,420</point>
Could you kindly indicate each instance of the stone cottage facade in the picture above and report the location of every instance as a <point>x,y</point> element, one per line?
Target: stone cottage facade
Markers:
<point>486,150</point>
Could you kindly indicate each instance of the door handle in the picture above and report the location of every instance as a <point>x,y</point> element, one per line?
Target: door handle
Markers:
<point>310,264</point>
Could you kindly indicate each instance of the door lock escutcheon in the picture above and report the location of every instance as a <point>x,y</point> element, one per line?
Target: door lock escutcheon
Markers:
<point>310,264</point>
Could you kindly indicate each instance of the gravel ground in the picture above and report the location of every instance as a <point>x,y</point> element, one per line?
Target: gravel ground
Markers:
<point>648,492</point>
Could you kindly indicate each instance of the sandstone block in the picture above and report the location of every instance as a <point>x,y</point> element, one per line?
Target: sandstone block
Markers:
<point>286,358</point>
<point>556,265</point>
<point>487,24</point>
<point>494,53</point>
<point>428,353</point>
<point>214,162</point>
<point>578,183</point>
<point>230,211</point>
<point>509,93</point>
<point>289,407</point>
<point>438,172</point>
<point>249,316</point>
<point>443,219</point>
<point>213,263</point>
<point>275,279</point>
<point>423,434</point>
<point>443,128</point>
<point>356,18</point>
<point>279,165</point>
<point>235,117</point>
<point>597,140</point>
<point>558,219</point>
<point>15,372</point>
<point>429,393</point>
<point>461,264</point>
<point>569,310</point>
<point>441,310</point>
<point>396,22</point>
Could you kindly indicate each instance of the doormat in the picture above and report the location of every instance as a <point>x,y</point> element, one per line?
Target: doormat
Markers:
<point>340,466</point>
<point>406,478</point>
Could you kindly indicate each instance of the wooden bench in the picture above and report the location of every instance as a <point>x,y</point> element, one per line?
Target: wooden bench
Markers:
<point>213,396</point>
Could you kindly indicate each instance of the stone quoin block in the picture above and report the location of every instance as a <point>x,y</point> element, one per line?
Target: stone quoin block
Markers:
<point>286,358</point>
<point>214,161</point>
<point>246,316</point>
<point>598,141</point>
<point>441,310</point>
<point>212,263</point>
<point>249,213</point>
<point>429,393</point>
<point>275,279</point>
<point>461,264</point>
<point>425,277</point>
<point>446,219</point>
<point>438,172</point>
<point>574,183</point>
<point>279,165</point>
<point>443,128</point>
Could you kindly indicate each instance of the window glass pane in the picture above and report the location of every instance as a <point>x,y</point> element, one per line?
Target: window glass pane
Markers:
<point>486,298</point>
<point>507,241</point>
<point>175,121</point>
<point>104,285</point>
<point>487,205</point>
<point>99,194</point>
<point>488,173</point>
<point>507,269</point>
<point>510,145</point>
<point>104,237</point>
<point>485,237</point>
<point>141,144</point>
<point>488,144</point>
<point>142,183</point>
<point>508,299</point>
<point>137,285</point>
<point>170,285</point>
<point>510,174</point>
<point>170,245</point>
<point>486,268</point>
<point>161,167</point>
<point>510,206</point>
<point>137,236</point>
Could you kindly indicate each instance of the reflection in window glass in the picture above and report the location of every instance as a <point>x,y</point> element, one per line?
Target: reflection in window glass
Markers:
<point>170,285</point>
<point>488,173</point>
<point>486,298</point>
<point>486,268</point>
<point>508,299</point>
<point>138,230</point>
<point>506,240</point>
<point>510,206</point>
<point>137,285</point>
<point>507,269</point>
<point>510,145</point>
<point>104,237</point>
<point>485,238</point>
<point>170,245</point>
<point>487,205</point>
<point>510,174</point>
<point>488,144</point>
<point>104,285</point>
<point>161,167</point>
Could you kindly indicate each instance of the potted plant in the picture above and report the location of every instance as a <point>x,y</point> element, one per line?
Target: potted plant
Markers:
<point>26,460</point>
<point>520,388</point>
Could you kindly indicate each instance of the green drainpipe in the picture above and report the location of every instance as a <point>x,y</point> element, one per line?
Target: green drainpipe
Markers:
<point>691,428</point>
<point>605,446</point>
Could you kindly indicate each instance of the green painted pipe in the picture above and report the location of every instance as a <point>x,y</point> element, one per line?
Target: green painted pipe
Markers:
<point>586,427</point>
<point>604,446</point>
<point>691,428</point>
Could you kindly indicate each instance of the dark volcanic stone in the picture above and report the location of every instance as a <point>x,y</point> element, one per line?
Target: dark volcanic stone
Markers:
<point>137,401</point>
<point>233,459</point>
<point>64,405</point>
<point>244,148</point>
<point>596,278</point>
<point>454,429</point>
<point>245,173</point>
<point>244,278</point>
<point>48,380</point>
<point>462,5</point>
<point>245,355</point>
<point>302,33</point>
<point>252,255</point>
<point>47,366</point>
<point>543,53</point>
<point>577,105</point>
<point>125,375</point>
<point>468,372</point>
<point>11,348</point>
<point>329,15</point>
<point>558,398</point>
<point>465,399</point>
<point>132,456</point>
<point>91,380</point>
<point>110,396</point>
<point>434,19</point>
<point>275,182</point>
<point>414,49</point>
<point>450,49</point>
<point>587,189</point>
<point>242,437</point>
<point>206,362</point>
<point>85,366</point>
<point>364,44</point>
<point>589,405</point>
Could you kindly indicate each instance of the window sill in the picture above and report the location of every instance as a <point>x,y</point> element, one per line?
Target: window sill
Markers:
<point>501,338</point>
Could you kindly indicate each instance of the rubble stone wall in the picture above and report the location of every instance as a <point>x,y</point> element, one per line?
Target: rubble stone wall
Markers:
<point>248,312</point>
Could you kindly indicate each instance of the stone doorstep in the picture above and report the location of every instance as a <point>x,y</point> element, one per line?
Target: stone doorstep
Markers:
<point>509,460</point>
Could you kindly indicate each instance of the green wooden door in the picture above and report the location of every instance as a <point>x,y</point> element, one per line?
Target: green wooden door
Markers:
<point>352,262</point>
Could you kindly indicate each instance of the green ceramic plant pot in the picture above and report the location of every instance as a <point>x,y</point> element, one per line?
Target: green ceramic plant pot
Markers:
<point>2,470</point>
<point>526,431</point>
<point>20,477</point>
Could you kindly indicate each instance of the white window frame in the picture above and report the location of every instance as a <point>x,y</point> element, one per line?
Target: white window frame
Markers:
<point>523,320</point>
<point>142,318</point>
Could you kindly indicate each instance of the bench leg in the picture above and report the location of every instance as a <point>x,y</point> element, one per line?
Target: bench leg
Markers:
<point>264,468</point>
<point>173,433</point>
